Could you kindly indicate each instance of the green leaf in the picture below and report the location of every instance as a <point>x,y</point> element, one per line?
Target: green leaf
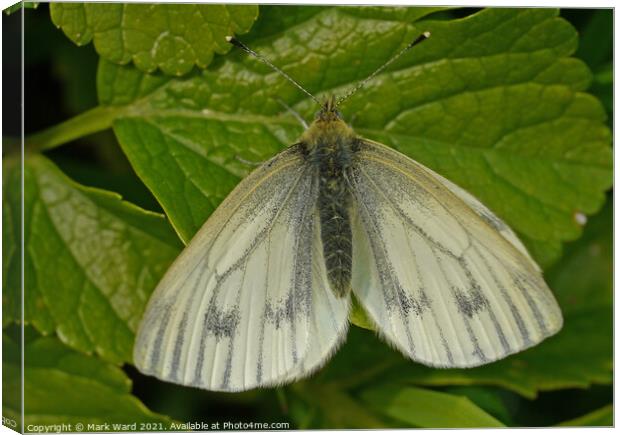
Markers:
<point>62,386</point>
<point>425,408</point>
<point>358,315</point>
<point>492,101</point>
<point>596,39</point>
<point>91,259</point>
<point>600,417</point>
<point>170,37</point>
<point>17,6</point>
<point>596,49</point>
<point>11,240</point>
<point>602,87</point>
<point>338,409</point>
<point>490,400</point>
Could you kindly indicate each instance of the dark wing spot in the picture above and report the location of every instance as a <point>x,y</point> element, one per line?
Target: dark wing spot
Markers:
<point>472,303</point>
<point>409,303</point>
<point>221,323</point>
<point>286,310</point>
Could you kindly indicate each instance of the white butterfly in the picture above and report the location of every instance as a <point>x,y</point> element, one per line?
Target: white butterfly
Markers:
<point>261,295</point>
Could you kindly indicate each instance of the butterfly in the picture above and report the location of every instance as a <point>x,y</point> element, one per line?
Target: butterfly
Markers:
<point>261,295</point>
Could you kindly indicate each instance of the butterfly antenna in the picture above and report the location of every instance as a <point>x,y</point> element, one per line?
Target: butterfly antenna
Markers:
<point>423,37</point>
<point>234,41</point>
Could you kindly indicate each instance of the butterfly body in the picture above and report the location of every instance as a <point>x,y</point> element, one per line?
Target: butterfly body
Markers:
<point>329,146</point>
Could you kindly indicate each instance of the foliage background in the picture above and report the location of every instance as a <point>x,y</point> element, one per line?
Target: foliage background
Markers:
<point>494,101</point>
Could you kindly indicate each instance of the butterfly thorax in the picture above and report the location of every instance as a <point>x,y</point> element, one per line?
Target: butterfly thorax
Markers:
<point>329,146</point>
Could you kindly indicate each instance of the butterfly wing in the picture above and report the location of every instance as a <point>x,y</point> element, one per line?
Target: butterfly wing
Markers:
<point>247,303</point>
<point>329,321</point>
<point>443,278</point>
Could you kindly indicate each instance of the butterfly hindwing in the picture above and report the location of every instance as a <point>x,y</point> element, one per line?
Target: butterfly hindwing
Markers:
<point>443,278</point>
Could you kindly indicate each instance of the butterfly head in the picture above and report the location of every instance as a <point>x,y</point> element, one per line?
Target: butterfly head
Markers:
<point>328,126</point>
<point>329,111</point>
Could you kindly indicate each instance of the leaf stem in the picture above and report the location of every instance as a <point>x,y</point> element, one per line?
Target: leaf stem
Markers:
<point>89,122</point>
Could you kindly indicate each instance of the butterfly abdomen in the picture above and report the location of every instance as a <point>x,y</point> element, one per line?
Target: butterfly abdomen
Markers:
<point>333,208</point>
<point>331,152</point>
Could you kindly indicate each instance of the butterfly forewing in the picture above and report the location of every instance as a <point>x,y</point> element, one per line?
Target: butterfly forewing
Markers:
<point>248,299</point>
<point>440,275</point>
<point>482,211</point>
